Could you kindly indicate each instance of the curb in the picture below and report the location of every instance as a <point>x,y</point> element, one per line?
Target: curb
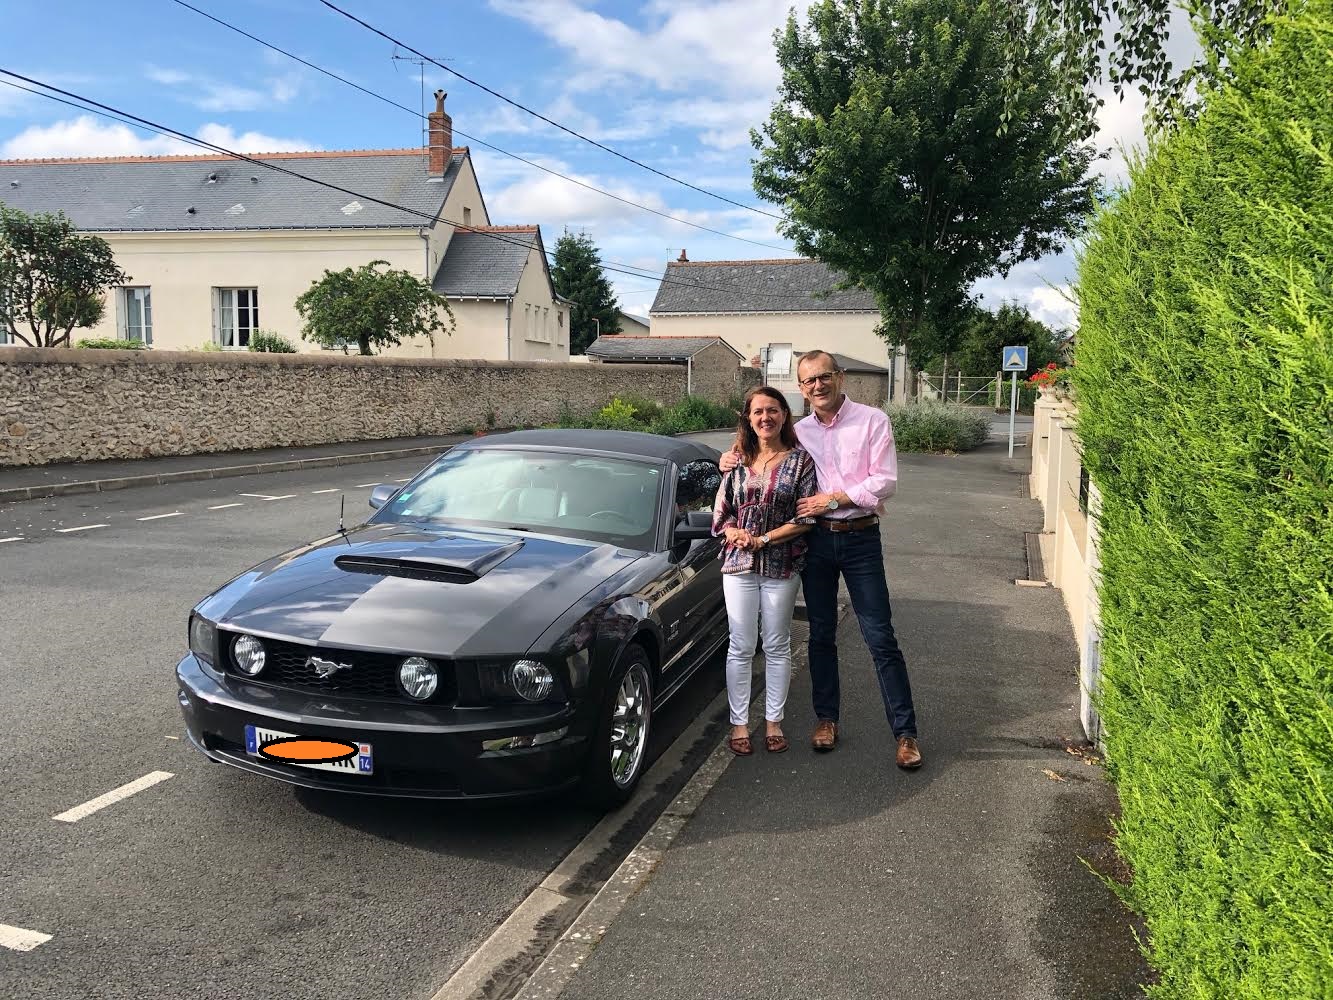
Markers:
<point>222,472</point>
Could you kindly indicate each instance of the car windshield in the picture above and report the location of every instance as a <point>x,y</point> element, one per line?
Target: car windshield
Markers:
<point>580,496</point>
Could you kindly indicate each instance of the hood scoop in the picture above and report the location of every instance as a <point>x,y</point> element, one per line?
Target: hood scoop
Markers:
<point>464,560</point>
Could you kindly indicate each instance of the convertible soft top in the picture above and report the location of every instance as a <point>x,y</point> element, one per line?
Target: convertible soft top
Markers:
<point>672,449</point>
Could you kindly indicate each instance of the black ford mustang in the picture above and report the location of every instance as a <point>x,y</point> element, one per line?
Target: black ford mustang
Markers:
<point>505,623</point>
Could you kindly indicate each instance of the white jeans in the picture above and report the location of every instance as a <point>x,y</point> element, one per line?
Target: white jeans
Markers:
<point>753,600</point>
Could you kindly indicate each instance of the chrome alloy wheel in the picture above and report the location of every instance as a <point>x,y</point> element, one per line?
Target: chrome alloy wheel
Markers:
<point>629,725</point>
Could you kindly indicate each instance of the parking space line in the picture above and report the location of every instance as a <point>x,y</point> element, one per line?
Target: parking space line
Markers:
<point>112,797</point>
<point>20,938</point>
<point>158,517</point>
<point>257,496</point>
<point>362,486</point>
<point>82,527</point>
<point>285,496</point>
<point>224,506</point>
<point>334,490</point>
<point>11,538</point>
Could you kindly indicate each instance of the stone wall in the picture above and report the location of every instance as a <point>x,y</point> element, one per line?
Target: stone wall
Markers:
<point>62,405</point>
<point>716,375</point>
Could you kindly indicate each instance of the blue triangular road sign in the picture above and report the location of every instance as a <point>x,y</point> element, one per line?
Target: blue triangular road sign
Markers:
<point>1015,359</point>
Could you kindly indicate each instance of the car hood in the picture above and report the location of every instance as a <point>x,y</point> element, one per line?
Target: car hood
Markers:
<point>435,591</point>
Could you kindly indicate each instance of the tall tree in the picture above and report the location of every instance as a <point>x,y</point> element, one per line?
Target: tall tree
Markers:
<point>578,276</point>
<point>1137,55</point>
<point>371,308</point>
<point>985,333</point>
<point>886,151</point>
<point>52,278</point>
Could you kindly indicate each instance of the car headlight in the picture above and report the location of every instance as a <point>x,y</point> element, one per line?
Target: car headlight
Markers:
<point>418,678</point>
<point>203,639</point>
<point>532,680</point>
<point>247,653</point>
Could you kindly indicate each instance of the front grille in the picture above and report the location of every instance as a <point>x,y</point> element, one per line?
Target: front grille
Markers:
<point>371,675</point>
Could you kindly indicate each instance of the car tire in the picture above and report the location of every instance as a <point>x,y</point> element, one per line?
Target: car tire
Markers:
<point>624,723</point>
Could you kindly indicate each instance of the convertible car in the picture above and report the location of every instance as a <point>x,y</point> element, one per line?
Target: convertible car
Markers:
<point>504,624</point>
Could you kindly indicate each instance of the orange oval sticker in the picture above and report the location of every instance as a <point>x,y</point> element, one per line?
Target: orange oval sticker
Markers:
<point>298,750</point>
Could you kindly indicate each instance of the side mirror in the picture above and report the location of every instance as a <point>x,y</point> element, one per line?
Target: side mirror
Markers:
<point>380,495</point>
<point>689,532</point>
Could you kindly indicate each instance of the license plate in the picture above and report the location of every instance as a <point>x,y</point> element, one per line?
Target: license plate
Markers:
<point>362,763</point>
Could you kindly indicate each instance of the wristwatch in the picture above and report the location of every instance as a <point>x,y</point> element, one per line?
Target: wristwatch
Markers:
<point>832,503</point>
<point>764,539</point>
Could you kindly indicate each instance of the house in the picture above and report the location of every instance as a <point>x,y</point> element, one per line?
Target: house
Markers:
<point>713,368</point>
<point>863,382</point>
<point>219,248</point>
<point>775,309</point>
<point>633,326</point>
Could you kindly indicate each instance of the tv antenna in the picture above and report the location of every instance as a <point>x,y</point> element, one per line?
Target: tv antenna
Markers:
<point>420,63</point>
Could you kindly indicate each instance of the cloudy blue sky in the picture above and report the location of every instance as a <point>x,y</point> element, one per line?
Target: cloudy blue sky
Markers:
<point>676,84</point>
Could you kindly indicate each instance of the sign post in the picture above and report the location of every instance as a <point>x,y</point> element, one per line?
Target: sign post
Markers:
<point>1013,359</point>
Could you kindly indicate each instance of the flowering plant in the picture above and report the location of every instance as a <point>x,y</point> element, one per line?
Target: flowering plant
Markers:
<point>1052,376</point>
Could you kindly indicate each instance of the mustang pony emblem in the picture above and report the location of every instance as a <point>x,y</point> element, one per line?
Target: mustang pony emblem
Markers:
<point>324,669</point>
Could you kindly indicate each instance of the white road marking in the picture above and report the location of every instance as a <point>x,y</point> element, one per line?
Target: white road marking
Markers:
<point>158,517</point>
<point>21,939</point>
<point>407,480</point>
<point>334,490</point>
<point>285,496</point>
<point>113,796</point>
<point>11,538</point>
<point>82,527</point>
<point>257,496</point>
<point>224,506</point>
<point>362,486</point>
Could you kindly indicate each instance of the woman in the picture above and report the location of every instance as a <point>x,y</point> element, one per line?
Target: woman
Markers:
<point>763,555</point>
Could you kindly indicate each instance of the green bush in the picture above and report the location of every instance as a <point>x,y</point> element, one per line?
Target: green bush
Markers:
<point>934,426</point>
<point>616,415</point>
<point>691,414</point>
<point>268,342</point>
<point>111,344</point>
<point>1205,390</point>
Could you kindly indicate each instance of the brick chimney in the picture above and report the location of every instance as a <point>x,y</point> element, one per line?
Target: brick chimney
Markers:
<point>682,259</point>
<point>441,138</point>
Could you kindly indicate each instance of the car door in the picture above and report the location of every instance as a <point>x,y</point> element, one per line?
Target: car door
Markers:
<point>694,614</point>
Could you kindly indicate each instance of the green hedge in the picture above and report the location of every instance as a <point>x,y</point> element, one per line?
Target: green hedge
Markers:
<point>633,413</point>
<point>1205,389</point>
<point>111,344</point>
<point>933,426</point>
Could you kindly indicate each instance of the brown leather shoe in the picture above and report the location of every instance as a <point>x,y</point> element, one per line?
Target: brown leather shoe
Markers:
<point>909,753</point>
<point>826,736</point>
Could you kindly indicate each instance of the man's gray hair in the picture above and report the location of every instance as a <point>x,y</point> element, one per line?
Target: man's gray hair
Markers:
<point>815,355</point>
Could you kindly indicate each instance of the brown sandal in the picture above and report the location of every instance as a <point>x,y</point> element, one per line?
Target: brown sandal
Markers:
<point>740,746</point>
<point>776,743</point>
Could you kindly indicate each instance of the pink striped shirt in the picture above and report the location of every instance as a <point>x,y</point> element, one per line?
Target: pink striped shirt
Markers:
<point>854,454</point>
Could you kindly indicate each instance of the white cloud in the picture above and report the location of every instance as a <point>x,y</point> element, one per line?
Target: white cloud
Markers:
<point>208,94</point>
<point>87,136</point>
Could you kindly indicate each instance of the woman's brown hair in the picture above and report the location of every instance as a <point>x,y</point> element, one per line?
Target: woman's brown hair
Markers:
<point>746,439</point>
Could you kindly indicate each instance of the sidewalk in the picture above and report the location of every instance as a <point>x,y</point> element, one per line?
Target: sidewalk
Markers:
<point>839,876</point>
<point>29,482</point>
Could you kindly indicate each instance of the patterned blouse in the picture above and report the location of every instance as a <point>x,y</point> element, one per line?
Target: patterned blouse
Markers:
<point>761,504</point>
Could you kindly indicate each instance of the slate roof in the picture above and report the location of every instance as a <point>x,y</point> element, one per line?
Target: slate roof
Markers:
<point>850,364</point>
<point>614,347</point>
<point>487,263</point>
<point>755,286</point>
<point>155,194</point>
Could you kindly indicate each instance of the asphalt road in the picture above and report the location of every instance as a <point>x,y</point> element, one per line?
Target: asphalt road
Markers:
<point>211,882</point>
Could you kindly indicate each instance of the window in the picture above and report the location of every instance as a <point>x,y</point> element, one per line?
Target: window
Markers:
<point>560,327</point>
<point>546,325</point>
<point>235,316</point>
<point>467,216</point>
<point>134,314</point>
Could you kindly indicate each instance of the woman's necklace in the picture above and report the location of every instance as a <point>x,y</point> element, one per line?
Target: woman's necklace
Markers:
<point>768,461</point>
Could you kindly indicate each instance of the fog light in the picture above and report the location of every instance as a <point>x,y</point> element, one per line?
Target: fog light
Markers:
<point>532,680</point>
<point>248,654</point>
<point>418,678</point>
<point>524,742</point>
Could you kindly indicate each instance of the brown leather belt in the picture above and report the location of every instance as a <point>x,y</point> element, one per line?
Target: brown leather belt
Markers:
<point>849,523</point>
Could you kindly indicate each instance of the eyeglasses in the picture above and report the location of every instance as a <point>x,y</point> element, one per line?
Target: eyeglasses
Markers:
<point>823,378</point>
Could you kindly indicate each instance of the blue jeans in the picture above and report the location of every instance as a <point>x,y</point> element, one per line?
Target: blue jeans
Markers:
<point>857,555</point>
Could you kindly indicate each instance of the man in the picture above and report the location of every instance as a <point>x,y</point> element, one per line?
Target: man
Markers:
<point>857,469</point>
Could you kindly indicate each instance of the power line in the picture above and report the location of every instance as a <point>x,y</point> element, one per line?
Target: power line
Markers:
<point>482,142</point>
<point>127,118</point>
<point>549,121</point>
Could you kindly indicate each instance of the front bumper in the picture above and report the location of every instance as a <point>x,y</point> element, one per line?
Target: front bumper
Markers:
<point>420,751</point>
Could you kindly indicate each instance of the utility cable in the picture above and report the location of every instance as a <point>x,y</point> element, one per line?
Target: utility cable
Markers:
<point>482,142</point>
<point>542,117</point>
